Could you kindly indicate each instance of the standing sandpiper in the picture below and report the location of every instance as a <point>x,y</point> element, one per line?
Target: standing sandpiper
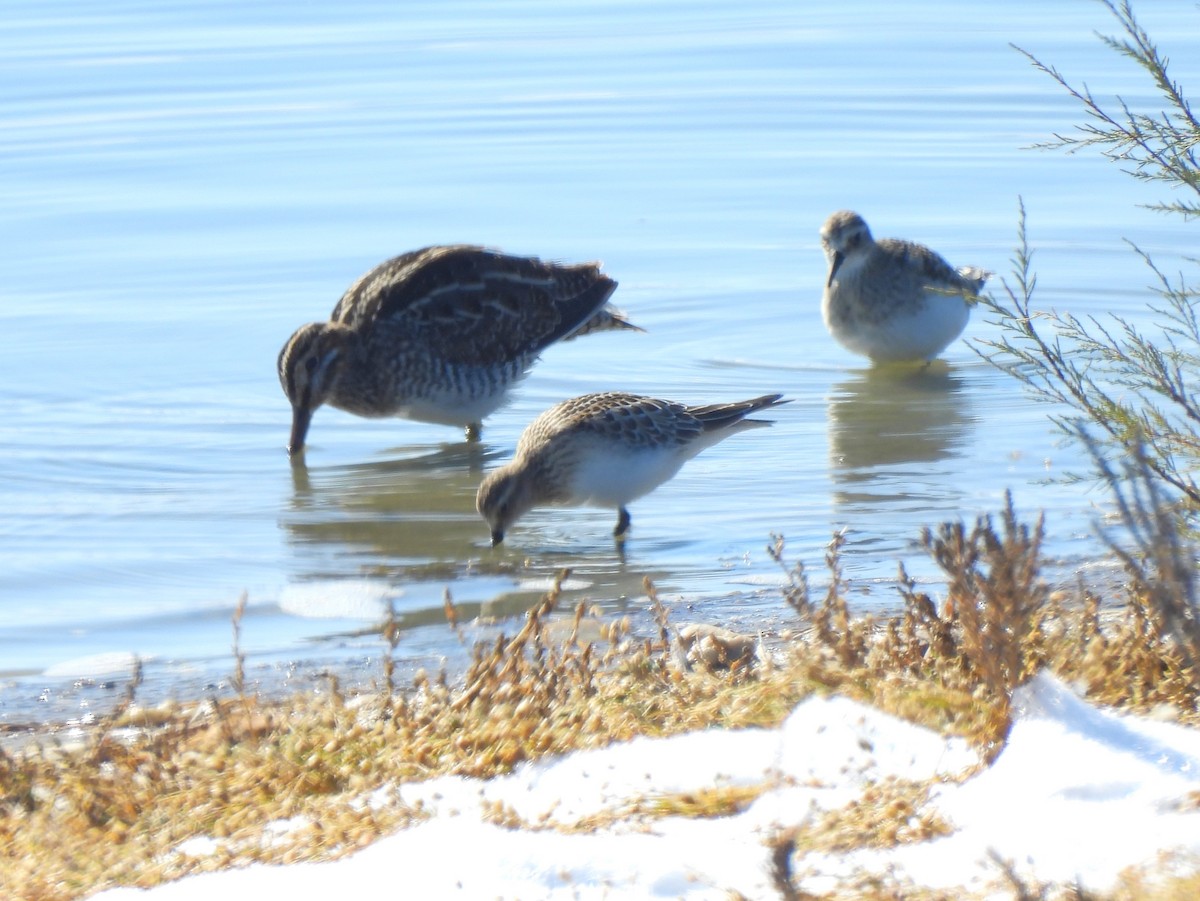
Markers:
<point>606,450</point>
<point>439,335</point>
<point>892,300</point>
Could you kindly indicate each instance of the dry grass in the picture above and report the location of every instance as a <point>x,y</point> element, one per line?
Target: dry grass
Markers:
<point>888,813</point>
<point>117,810</point>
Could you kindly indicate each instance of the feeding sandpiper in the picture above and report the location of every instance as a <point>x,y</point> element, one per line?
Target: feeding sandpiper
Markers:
<point>440,335</point>
<point>892,300</point>
<point>606,450</point>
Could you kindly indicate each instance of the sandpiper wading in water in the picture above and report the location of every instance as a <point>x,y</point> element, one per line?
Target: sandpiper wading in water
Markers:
<point>892,300</point>
<point>606,450</point>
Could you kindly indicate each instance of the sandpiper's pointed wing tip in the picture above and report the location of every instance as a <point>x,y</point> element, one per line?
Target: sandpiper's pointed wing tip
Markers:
<point>625,325</point>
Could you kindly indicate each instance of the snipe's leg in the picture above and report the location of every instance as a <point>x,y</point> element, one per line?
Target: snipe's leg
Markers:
<point>473,430</point>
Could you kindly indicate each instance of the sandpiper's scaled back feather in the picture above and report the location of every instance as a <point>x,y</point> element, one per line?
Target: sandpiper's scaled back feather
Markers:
<point>440,335</point>
<point>892,300</point>
<point>606,450</point>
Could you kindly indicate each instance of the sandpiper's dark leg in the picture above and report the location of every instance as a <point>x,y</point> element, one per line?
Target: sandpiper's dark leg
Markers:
<point>622,524</point>
<point>473,430</point>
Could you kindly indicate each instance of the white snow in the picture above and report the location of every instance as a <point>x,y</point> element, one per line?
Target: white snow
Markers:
<point>1078,794</point>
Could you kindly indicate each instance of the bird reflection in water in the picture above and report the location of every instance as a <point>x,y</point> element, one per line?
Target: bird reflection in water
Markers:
<point>893,434</point>
<point>412,518</point>
<point>414,509</point>
<point>408,524</point>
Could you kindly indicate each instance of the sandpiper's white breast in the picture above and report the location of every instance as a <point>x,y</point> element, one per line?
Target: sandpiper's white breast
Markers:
<point>917,331</point>
<point>611,474</point>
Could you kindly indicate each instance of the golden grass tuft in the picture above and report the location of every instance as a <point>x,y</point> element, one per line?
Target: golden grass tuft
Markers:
<point>890,812</point>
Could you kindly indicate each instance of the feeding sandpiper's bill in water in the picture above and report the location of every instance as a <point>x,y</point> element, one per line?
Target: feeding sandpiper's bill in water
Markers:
<point>440,335</point>
<point>892,300</point>
<point>606,450</point>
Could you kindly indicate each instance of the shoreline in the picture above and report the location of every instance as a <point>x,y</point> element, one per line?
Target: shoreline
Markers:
<point>562,683</point>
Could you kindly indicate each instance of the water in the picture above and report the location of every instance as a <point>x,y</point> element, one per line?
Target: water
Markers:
<point>185,184</point>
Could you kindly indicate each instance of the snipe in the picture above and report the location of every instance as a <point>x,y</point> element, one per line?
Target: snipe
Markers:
<point>440,335</point>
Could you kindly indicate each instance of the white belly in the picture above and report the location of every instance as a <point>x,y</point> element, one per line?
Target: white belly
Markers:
<point>612,477</point>
<point>904,334</point>
<point>453,409</point>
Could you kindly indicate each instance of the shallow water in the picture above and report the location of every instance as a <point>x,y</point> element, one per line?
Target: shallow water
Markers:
<point>188,183</point>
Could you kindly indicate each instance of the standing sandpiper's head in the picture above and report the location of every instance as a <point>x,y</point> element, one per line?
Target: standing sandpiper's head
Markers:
<point>842,234</point>
<point>308,370</point>
<point>504,496</point>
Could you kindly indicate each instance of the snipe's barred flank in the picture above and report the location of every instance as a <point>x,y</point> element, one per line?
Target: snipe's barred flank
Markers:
<point>892,300</point>
<point>440,335</point>
<point>606,450</point>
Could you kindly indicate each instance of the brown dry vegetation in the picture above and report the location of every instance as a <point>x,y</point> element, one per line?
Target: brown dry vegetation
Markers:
<point>116,810</point>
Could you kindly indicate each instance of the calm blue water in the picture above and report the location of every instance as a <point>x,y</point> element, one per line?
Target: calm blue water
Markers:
<point>184,184</point>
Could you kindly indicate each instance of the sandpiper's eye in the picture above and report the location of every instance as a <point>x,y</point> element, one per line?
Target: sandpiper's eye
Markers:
<point>310,365</point>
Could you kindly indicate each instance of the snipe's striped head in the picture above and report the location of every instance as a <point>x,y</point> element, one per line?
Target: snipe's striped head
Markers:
<point>308,369</point>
